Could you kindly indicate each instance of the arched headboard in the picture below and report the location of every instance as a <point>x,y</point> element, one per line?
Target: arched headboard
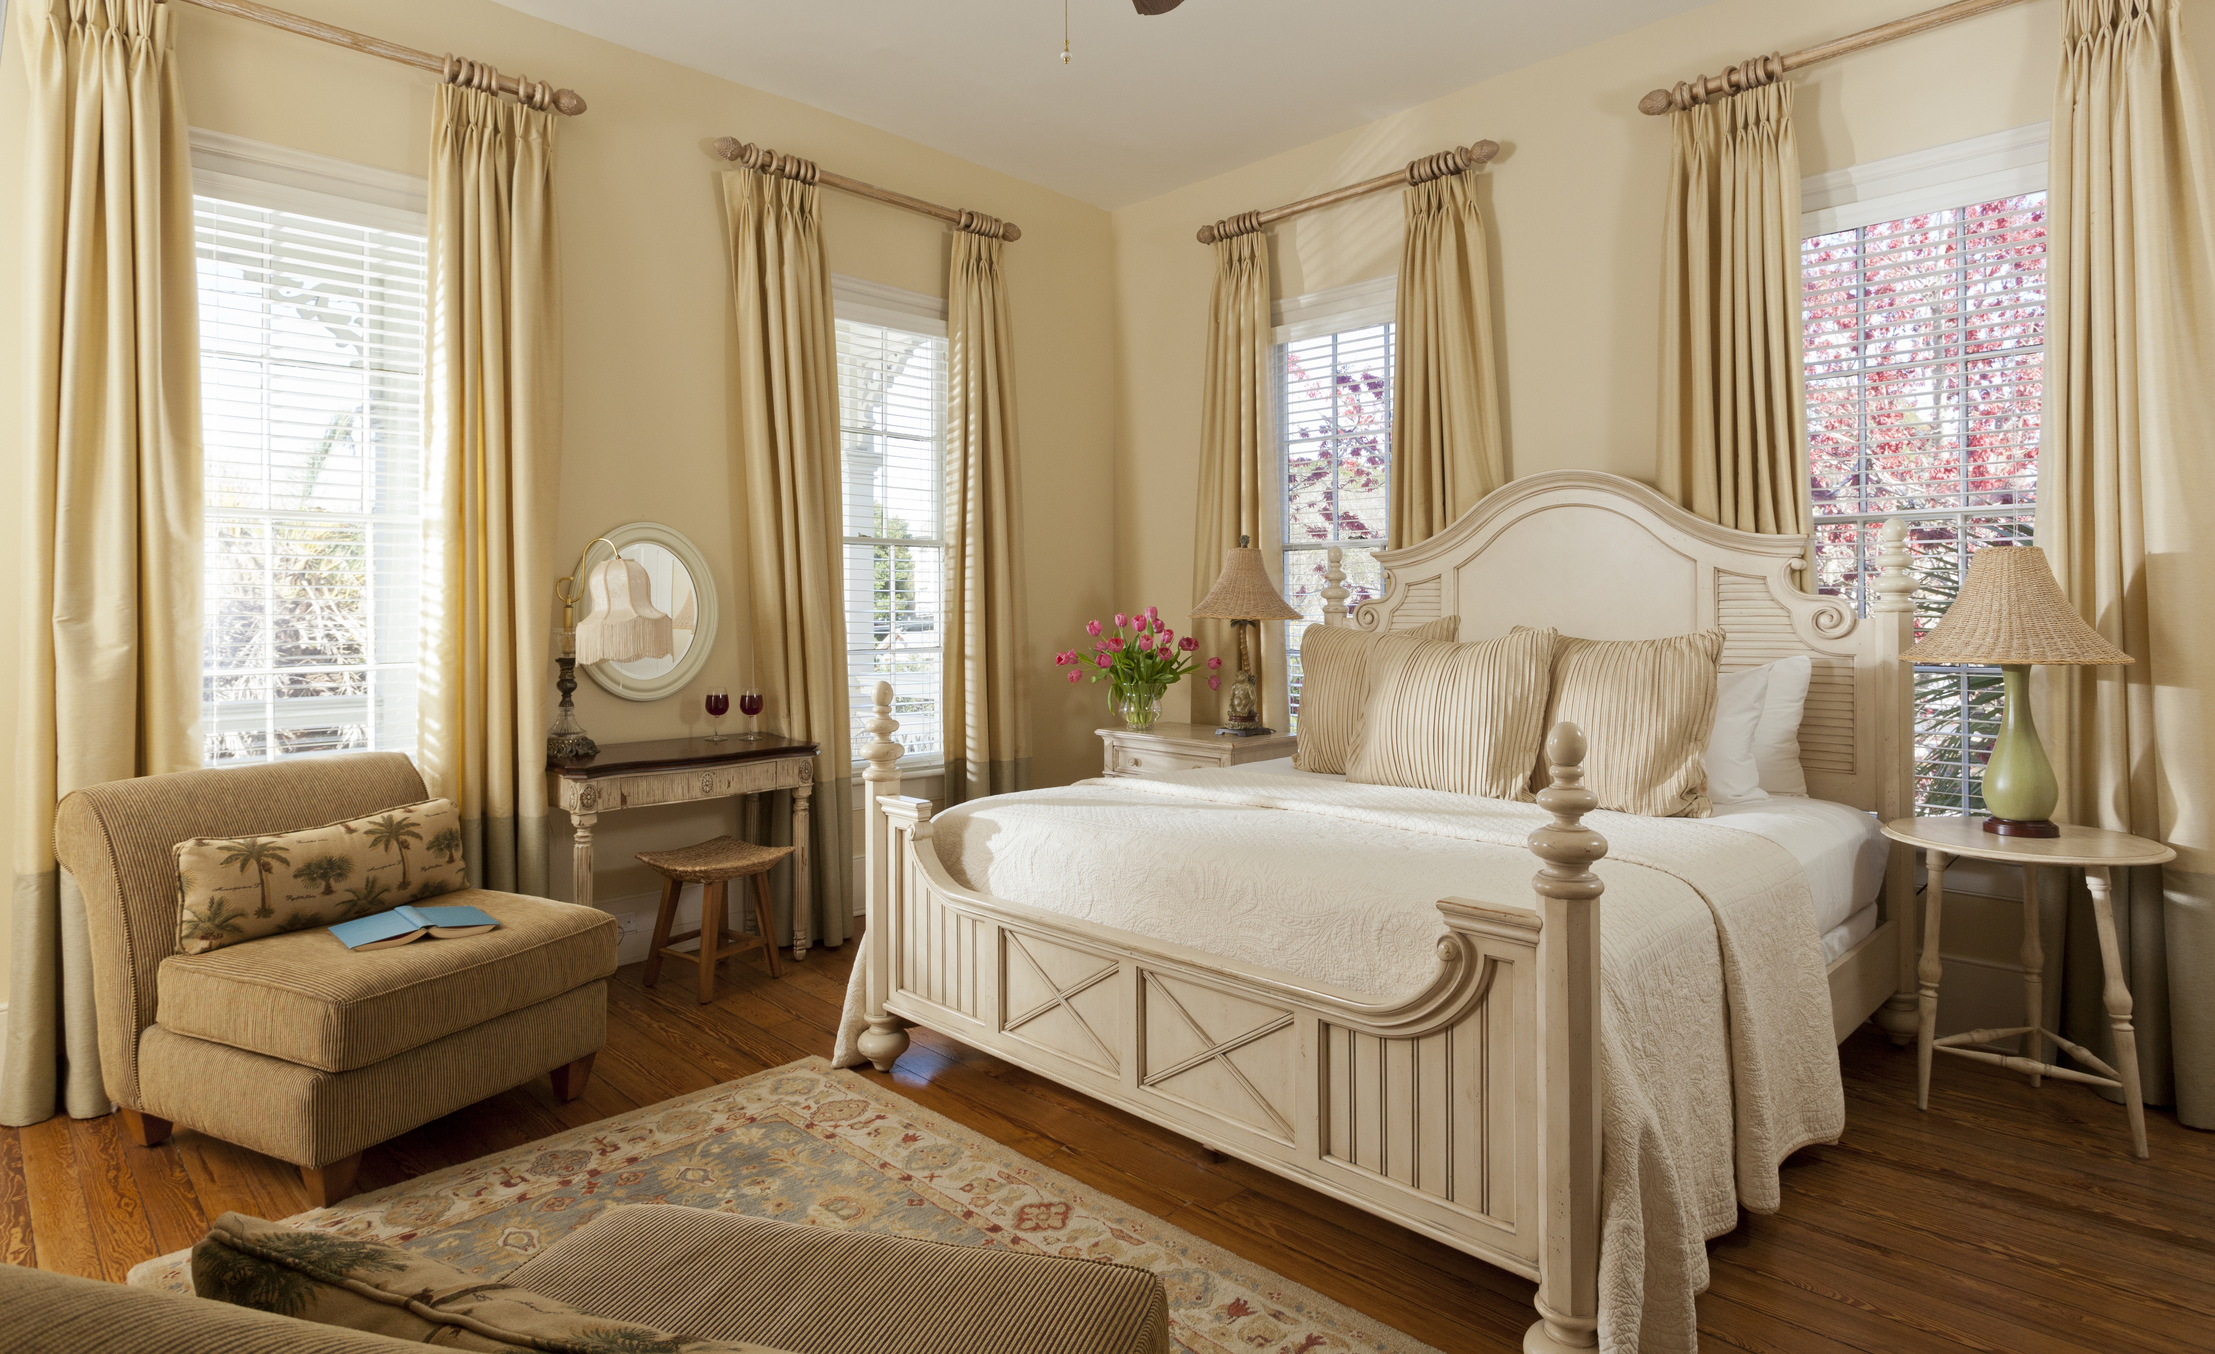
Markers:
<point>1603,557</point>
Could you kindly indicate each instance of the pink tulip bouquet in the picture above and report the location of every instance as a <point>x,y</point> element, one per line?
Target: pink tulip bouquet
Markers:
<point>1142,665</point>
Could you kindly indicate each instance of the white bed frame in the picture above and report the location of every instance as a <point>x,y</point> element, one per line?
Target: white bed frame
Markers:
<point>1470,1113</point>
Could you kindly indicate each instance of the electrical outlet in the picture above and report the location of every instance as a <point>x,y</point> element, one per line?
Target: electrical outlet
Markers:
<point>626,923</point>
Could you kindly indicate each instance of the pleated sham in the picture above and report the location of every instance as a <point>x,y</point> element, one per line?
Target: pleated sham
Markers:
<point>1646,707</point>
<point>1465,718</point>
<point>1336,665</point>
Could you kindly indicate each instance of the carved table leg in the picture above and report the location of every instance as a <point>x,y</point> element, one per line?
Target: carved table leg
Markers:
<point>802,876</point>
<point>2117,993</point>
<point>1927,974</point>
<point>580,855</point>
<point>2034,972</point>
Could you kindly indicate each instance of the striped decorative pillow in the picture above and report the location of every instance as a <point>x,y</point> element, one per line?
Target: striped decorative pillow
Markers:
<point>1336,665</point>
<point>1646,707</point>
<point>1467,718</point>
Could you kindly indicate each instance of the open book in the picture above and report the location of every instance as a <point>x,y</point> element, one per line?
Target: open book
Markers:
<point>405,923</point>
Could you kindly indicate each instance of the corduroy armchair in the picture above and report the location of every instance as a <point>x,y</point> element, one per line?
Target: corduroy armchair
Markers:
<point>290,1044</point>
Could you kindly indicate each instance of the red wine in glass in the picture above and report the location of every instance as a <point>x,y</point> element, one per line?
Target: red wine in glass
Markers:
<point>719,705</point>
<point>749,705</point>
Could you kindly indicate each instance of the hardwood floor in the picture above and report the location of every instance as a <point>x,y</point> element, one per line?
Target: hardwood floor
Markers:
<point>2005,1219</point>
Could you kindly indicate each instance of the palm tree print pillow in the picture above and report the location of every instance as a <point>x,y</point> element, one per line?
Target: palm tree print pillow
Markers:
<point>234,889</point>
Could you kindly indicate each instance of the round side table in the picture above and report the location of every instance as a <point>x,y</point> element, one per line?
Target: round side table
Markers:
<point>2094,850</point>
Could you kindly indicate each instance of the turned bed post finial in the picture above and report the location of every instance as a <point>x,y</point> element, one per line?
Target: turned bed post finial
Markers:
<point>1569,1055</point>
<point>1334,588</point>
<point>884,1041</point>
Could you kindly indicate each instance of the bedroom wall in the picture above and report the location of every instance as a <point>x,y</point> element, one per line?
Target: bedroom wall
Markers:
<point>647,428</point>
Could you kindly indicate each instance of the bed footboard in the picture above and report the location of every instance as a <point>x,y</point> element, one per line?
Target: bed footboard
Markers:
<point>1469,1112</point>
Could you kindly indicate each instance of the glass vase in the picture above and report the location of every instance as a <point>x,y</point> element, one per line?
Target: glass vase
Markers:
<point>1139,707</point>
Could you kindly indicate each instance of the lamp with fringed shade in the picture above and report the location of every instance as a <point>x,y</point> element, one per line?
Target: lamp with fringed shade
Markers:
<point>2012,613</point>
<point>1244,596</point>
<point>624,625</point>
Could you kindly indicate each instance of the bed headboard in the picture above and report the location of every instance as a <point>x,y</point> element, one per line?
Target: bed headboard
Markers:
<point>1603,557</point>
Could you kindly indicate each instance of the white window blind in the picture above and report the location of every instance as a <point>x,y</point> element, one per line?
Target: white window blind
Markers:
<point>1334,420</point>
<point>892,418</point>
<point>312,341</point>
<point>1925,362</point>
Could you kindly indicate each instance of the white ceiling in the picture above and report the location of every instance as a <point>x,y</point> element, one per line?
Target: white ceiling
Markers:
<point>1145,105</point>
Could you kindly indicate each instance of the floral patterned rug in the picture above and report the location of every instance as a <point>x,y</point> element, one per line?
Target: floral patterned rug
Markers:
<point>808,1144</point>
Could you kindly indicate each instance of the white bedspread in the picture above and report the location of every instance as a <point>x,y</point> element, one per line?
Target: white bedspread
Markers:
<point>1718,1059</point>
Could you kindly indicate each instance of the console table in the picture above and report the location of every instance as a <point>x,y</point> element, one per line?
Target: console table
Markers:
<point>682,771</point>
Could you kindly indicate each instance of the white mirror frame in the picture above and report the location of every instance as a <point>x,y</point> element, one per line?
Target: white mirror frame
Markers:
<point>703,638</point>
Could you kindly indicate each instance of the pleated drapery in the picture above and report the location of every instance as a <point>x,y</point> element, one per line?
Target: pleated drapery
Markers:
<point>1447,450</point>
<point>109,553</point>
<point>492,479</point>
<point>1733,428</point>
<point>2124,483</point>
<point>987,685</point>
<point>786,384</point>
<point>1234,440</point>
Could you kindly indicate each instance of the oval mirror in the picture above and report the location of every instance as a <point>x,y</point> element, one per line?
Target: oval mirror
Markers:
<point>683,589</point>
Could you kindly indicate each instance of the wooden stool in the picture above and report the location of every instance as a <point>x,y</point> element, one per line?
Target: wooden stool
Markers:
<point>712,865</point>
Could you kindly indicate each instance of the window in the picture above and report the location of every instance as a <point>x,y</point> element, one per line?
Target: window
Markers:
<point>892,427</point>
<point>312,352</point>
<point>1925,341</point>
<point>1334,421</point>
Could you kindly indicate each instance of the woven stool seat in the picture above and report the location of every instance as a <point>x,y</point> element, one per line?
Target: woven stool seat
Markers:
<point>721,858</point>
<point>712,865</point>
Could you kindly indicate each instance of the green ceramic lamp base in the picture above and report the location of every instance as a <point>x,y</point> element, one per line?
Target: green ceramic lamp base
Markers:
<point>2019,786</point>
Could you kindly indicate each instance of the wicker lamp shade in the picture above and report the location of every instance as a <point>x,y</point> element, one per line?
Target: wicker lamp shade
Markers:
<point>2011,611</point>
<point>1244,592</point>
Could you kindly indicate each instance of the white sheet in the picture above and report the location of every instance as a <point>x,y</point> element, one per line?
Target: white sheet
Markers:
<point>1849,933</point>
<point>1717,1050</point>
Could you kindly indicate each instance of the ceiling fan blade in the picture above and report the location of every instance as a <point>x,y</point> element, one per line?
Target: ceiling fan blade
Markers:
<point>1155,6</point>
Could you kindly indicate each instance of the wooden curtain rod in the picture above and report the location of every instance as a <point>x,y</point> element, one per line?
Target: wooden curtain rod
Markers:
<point>807,171</point>
<point>455,70</point>
<point>1416,171</point>
<point>1762,70</point>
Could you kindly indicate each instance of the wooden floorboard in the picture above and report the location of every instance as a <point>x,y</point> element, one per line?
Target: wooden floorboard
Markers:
<point>2003,1219</point>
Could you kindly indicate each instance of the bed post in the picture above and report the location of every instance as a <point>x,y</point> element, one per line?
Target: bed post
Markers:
<point>1893,613</point>
<point>1334,588</point>
<point>1569,1057</point>
<point>884,1041</point>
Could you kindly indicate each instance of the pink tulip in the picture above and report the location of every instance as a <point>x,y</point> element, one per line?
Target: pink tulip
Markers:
<point>1153,613</point>
<point>1099,646</point>
<point>1145,641</point>
<point>1104,661</point>
<point>1215,684</point>
<point>1121,620</point>
<point>1115,644</point>
<point>1214,663</point>
<point>1167,634</point>
<point>1061,660</point>
<point>1189,643</point>
<point>1076,676</point>
<point>1092,628</point>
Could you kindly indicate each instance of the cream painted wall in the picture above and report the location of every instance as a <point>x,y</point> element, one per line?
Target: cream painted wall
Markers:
<point>647,427</point>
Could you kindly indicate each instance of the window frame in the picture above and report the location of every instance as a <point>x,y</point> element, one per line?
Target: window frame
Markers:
<point>1319,314</point>
<point>860,301</point>
<point>264,177</point>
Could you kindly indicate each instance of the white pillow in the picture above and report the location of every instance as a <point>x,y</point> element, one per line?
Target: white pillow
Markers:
<point>1732,776</point>
<point>1777,739</point>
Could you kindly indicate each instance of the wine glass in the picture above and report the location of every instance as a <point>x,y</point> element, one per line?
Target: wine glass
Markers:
<point>749,705</point>
<point>719,705</point>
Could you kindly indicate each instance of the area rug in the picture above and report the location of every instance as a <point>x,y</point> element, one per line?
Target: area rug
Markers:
<point>805,1143</point>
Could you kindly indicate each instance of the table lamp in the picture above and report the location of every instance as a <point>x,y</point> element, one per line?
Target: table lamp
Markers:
<point>624,625</point>
<point>2012,613</point>
<point>1245,597</point>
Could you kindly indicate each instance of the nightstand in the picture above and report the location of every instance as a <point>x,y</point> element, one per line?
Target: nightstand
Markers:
<point>1170,747</point>
<point>2096,851</point>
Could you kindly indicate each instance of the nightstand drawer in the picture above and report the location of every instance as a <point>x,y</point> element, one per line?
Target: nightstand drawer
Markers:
<point>1142,761</point>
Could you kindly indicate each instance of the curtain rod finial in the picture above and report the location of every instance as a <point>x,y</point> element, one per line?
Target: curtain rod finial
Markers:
<point>1655,103</point>
<point>730,148</point>
<point>569,101</point>
<point>1483,152</point>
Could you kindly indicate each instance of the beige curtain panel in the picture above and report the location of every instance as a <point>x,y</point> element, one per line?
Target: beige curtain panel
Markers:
<point>2127,462</point>
<point>786,384</point>
<point>1733,429</point>
<point>108,555</point>
<point>493,479</point>
<point>1447,450</point>
<point>1234,441</point>
<point>987,659</point>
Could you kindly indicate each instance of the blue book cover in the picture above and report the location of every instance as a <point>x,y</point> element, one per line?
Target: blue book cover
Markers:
<point>406,923</point>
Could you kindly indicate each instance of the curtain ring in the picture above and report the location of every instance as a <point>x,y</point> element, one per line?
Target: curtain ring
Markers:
<point>977,223</point>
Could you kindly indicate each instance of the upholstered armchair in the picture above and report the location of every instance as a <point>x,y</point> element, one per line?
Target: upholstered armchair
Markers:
<point>290,1044</point>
